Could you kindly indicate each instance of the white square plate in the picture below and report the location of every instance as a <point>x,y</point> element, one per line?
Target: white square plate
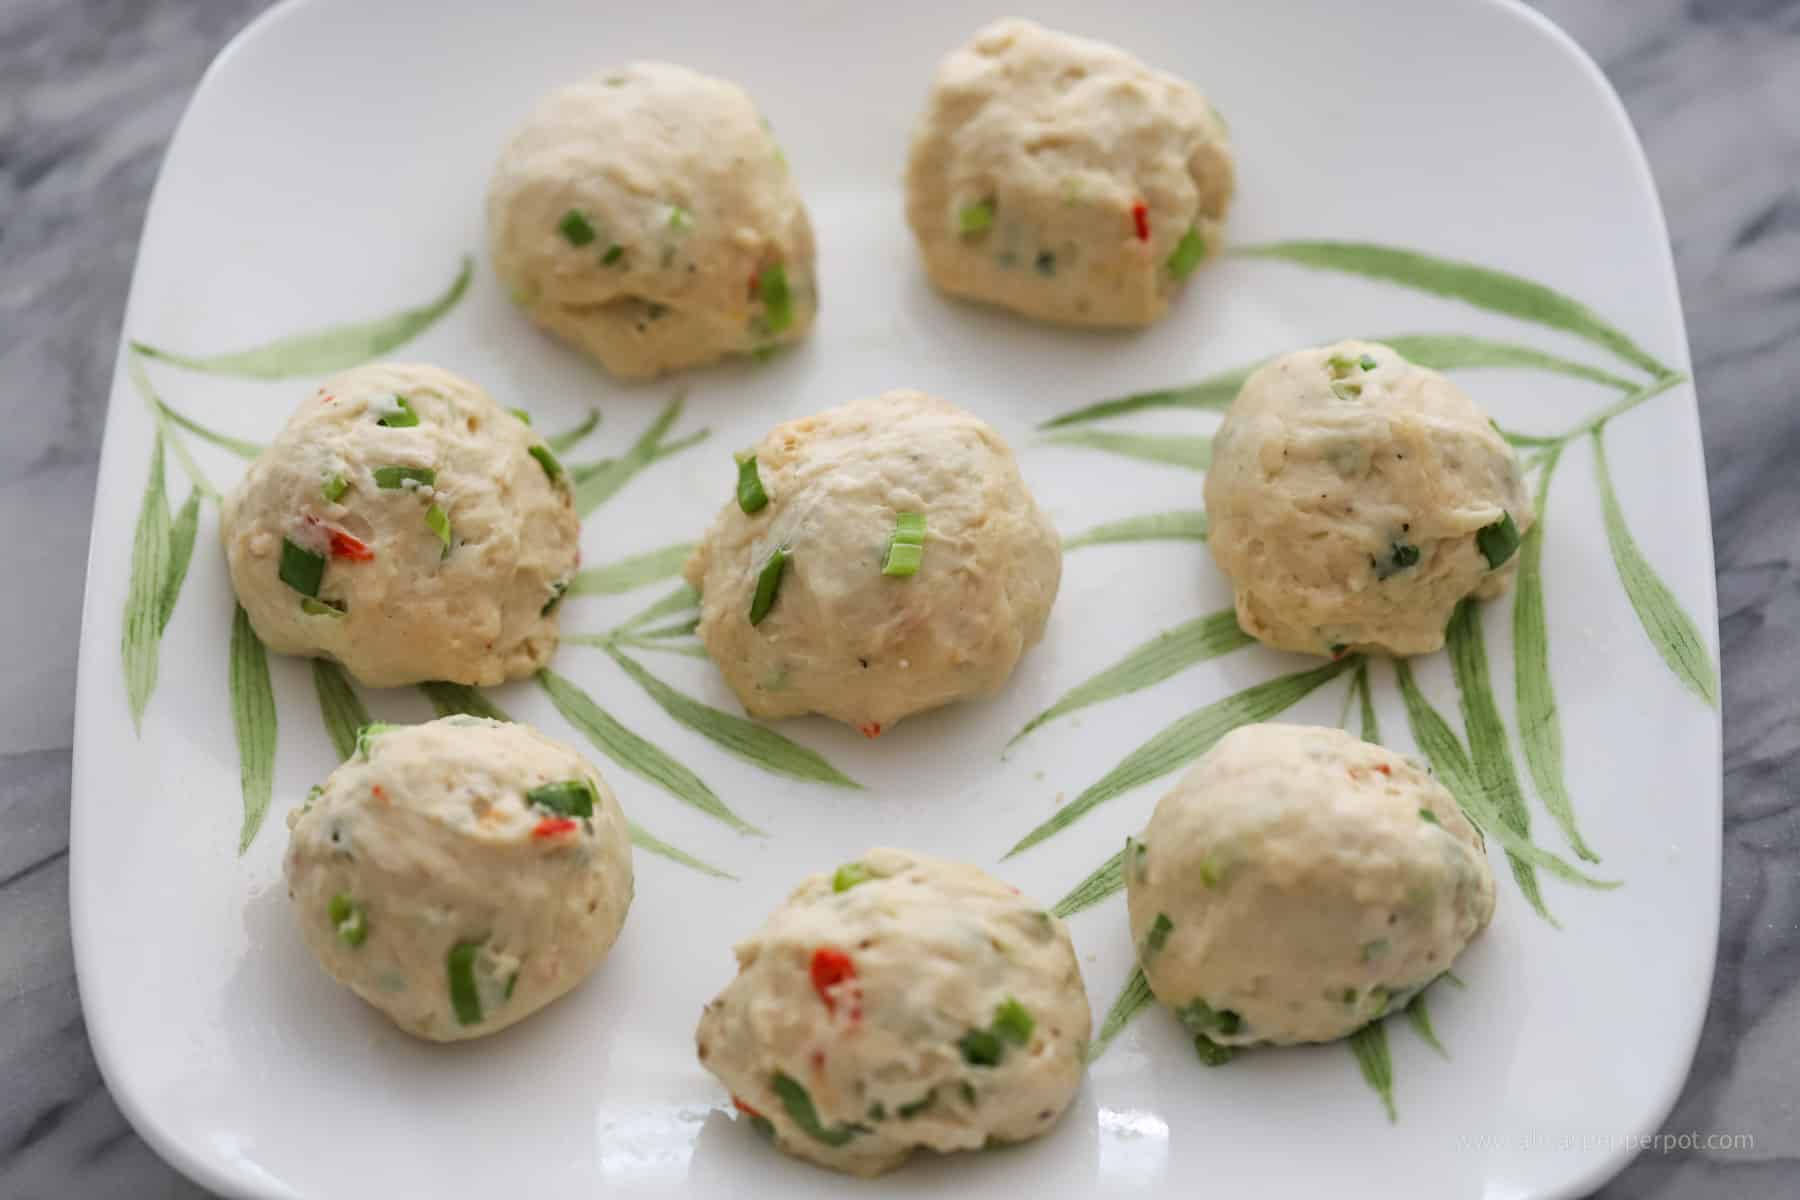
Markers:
<point>331,169</point>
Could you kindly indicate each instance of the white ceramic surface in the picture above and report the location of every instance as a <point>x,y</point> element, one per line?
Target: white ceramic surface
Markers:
<point>332,167</point>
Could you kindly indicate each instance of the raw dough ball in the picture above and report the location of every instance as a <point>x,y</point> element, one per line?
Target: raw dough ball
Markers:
<point>1064,179</point>
<point>647,216</point>
<point>409,542</point>
<point>1354,499</point>
<point>1298,884</point>
<point>842,638</point>
<point>902,1003</point>
<point>460,875</point>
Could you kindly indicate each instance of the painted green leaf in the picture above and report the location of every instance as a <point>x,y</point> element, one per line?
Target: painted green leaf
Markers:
<point>141,639</point>
<point>1490,750</point>
<point>1185,526</point>
<point>567,440</point>
<point>630,573</point>
<point>1107,879</point>
<point>1371,727</point>
<point>459,699</point>
<point>679,600</point>
<point>633,752</point>
<point>592,489</point>
<point>1418,1015</point>
<point>1483,287</point>
<point>1450,763</point>
<point>754,743</point>
<point>1133,999</point>
<point>140,379</point>
<point>1190,450</point>
<point>321,351</point>
<point>1540,729</point>
<point>237,446</point>
<point>1664,621</point>
<point>253,720</point>
<point>181,553</point>
<point>1369,1045</point>
<point>672,630</point>
<point>1214,392</point>
<point>1186,740</point>
<point>649,645</point>
<point>643,839</point>
<point>1166,654</point>
<point>1455,352</point>
<point>339,707</point>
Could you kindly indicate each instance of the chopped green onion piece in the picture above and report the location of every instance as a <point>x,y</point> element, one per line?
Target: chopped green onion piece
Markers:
<point>877,1112</point>
<point>800,1109</point>
<point>389,478</point>
<point>1045,263</point>
<point>1367,362</point>
<point>333,488</point>
<point>348,918</point>
<point>512,981</point>
<point>575,228</point>
<point>1188,253</point>
<point>556,594</point>
<point>909,527</point>
<point>321,608</point>
<point>1349,996</point>
<point>1211,1053</point>
<point>301,569</point>
<point>968,1093</point>
<point>768,583</point>
<point>438,521</point>
<point>1158,937</point>
<point>906,547</point>
<point>1375,949</point>
<point>1429,817</point>
<point>1138,852</point>
<point>465,1000</point>
<point>401,416</point>
<point>1399,557</point>
<point>1229,1022</point>
<point>909,1111</point>
<point>1013,1022</point>
<point>750,495</point>
<point>778,303</point>
<point>1498,541</point>
<point>569,798</point>
<point>680,218</point>
<point>1210,871</point>
<point>613,254</point>
<point>975,218</point>
<point>548,460</point>
<point>521,414</point>
<point>365,737</point>
<point>848,876</point>
<point>1340,365</point>
<point>981,1048</point>
<point>763,1126</point>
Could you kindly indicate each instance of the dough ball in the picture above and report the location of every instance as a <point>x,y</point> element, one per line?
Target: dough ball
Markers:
<point>407,526</point>
<point>1064,179</point>
<point>1298,884</point>
<point>460,875</point>
<point>1355,498</point>
<point>844,636</point>
<point>900,1003</point>
<point>647,216</point>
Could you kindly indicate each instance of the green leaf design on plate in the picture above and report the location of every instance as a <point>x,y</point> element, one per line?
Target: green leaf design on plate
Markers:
<point>630,573</point>
<point>1665,623</point>
<point>1214,392</point>
<point>1369,1045</point>
<point>1455,352</point>
<point>677,629</point>
<point>181,553</point>
<point>144,608</point>
<point>1371,727</point>
<point>1540,729</point>
<point>567,440</point>
<point>754,743</point>
<point>1107,879</point>
<point>1166,654</point>
<point>643,839</point>
<point>1186,740</point>
<point>461,700</point>
<point>1189,450</point>
<point>633,752</point>
<point>1418,1015</point>
<point>596,483</point>
<point>1188,525</point>
<point>140,380</point>
<point>253,720</point>
<point>1450,763</point>
<point>650,645</point>
<point>339,707</point>
<point>321,351</point>
<point>237,446</point>
<point>1483,287</point>
<point>679,600</point>
<point>1133,999</point>
<point>1490,750</point>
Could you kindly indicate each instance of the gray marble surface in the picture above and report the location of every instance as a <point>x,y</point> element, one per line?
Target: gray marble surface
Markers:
<point>89,93</point>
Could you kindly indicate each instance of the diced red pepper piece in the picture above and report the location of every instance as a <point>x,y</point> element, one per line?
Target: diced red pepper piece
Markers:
<point>870,729</point>
<point>551,827</point>
<point>744,1108</point>
<point>1140,217</point>
<point>830,967</point>
<point>344,545</point>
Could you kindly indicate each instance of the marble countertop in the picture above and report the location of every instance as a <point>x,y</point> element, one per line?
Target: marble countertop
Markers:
<point>92,91</point>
